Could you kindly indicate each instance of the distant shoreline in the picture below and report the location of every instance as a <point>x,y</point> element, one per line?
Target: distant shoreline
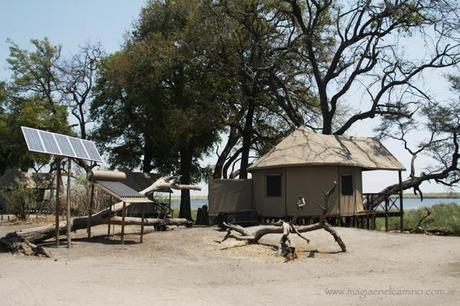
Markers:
<point>433,195</point>
<point>428,195</point>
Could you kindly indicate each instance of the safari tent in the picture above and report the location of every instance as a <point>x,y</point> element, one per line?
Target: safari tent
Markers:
<point>304,164</point>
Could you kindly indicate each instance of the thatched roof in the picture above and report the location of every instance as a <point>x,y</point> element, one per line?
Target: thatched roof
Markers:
<point>32,180</point>
<point>303,147</point>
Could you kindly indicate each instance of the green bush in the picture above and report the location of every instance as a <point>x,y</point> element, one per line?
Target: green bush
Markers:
<point>18,200</point>
<point>444,217</point>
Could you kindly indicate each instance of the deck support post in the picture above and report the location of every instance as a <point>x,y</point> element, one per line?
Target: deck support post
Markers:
<point>401,206</point>
<point>386,215</point>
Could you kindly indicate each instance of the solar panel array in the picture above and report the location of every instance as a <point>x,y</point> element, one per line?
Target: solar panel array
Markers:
<point>57,144</point>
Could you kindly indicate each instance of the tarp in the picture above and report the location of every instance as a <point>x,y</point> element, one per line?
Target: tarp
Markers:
<point>229,196</point>
<point>303,147</point>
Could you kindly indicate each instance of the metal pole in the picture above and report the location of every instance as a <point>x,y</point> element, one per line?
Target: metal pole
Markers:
<point>91,199</point>
<point>69,169</point>
<point>58,187</point>
<point>123,216</point>
<point>401,207</point>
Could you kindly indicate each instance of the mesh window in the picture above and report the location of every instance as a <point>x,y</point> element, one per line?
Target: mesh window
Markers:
<point>274,185</point>
<point>347,185</point>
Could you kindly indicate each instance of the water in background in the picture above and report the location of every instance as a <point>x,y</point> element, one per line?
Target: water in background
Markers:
<point>416,203</point>
<point>408,203</point>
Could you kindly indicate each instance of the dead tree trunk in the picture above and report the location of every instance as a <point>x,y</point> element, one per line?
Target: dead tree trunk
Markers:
<point>419,228</point>
<point>286,247</point>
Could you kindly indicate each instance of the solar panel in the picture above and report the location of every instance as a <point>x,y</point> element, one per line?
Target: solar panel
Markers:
<point>91,149</point>
<point>49,142</point>
<point>78,148</point>
<point>32,139</point>
<point>62,145</point>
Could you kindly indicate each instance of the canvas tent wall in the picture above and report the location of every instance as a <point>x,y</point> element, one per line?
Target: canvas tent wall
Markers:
<point>310,182</point>
<point>228,196</point>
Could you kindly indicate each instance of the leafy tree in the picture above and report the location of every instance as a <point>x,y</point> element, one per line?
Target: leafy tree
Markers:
<point>33,112</point>
<point>45,74</point>
<point>267,101</point>
<point>157,98</point>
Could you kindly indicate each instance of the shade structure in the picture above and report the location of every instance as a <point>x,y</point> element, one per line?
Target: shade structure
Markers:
<point>122,192</point>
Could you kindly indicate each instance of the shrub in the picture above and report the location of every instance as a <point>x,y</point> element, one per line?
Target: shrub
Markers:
<point>18,200</point>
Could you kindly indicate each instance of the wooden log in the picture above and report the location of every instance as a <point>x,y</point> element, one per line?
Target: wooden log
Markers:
<point>151,221</point>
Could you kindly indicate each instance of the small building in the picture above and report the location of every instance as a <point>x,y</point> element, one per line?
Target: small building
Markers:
<point>304,164</point>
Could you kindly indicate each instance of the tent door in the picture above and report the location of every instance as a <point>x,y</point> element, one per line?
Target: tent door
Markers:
<point>347,189</point>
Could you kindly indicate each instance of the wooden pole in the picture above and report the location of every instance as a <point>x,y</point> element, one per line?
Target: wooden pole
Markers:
<point>401,206</point>
<point>108,223</point>
<point>142,223</point>
<point>172,213</point>
<point>91,199</point>
<point>58,204</point>
<point>123,216</point>
<point>69,169</point>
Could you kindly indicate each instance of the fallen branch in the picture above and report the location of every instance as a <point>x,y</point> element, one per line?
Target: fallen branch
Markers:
<point>286,246</point>
<point>419,228</point>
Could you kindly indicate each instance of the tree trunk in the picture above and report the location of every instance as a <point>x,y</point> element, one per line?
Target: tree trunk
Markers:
<point>185,172</point>
<point>148,156</point>
<point>247,138</point>
<point>231,142</point>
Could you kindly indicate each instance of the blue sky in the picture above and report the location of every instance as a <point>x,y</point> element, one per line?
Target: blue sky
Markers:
<point>70,23</point>
<point>73,23</point>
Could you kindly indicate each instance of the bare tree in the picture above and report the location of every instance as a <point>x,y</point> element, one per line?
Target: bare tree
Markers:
<point>364,38</point>
<point>78,81</point>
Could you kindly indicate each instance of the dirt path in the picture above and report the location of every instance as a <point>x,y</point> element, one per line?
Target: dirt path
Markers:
<point>186,266</point>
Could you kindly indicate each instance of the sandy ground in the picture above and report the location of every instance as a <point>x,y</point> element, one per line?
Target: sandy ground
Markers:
<point>186,267</point>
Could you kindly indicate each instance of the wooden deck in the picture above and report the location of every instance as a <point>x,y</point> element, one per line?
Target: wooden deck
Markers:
<point>366,219</point>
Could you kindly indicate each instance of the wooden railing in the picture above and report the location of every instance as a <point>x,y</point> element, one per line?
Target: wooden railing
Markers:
<point>390,204</point>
